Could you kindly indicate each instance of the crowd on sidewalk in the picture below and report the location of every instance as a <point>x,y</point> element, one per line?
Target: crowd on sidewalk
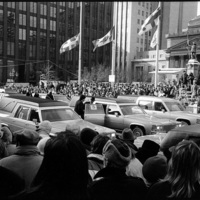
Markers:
<point>90,166</point>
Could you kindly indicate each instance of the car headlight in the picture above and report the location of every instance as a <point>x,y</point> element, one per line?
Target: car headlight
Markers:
<point>179,125</point>
<point>113,135</point>
<point>156,129</point>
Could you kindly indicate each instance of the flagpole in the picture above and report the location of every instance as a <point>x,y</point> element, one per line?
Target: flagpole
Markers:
<point>157,51</point>
<point>114,42</point>
<point>80,45</point>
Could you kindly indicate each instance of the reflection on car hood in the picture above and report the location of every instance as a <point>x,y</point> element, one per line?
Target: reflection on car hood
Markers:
<point>151,119</point>
<point>77,125</point>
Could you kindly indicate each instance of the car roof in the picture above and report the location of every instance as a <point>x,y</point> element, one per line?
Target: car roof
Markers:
<point>37,101</point>
<point>157,98</point>
<point>115,100</point>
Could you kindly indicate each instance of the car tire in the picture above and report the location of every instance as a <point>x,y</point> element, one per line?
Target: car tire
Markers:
<point>138,132</point>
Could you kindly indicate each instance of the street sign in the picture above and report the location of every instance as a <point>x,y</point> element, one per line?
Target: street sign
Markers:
<point>112,78</point>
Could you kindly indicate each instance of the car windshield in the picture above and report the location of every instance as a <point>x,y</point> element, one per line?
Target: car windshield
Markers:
<point>131,110</point>
<point>54,115</point>
<point>61,98</point>
<point>174,106</point>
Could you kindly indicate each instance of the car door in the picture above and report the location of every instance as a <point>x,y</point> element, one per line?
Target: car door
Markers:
<point>95,114</point>
<point>147,105</point>
<point>20,120</point>
<point>114,118</point>
<point>160,110</point>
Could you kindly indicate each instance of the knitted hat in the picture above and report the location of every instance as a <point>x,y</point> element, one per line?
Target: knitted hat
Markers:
<point>27,137</point>
<point>45,125</point>
<point>127,134</point>
<point>154,168</point>
<point>86,137</point>
<point>117,152</point>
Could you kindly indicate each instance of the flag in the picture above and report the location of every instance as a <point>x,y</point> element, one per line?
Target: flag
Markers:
<point>70,44</point>
<point>195,22</point>
<point>154,39</point>
<point>151,21</point>
<point>109,37</point>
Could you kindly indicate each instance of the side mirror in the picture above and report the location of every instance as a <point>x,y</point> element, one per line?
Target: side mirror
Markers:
<point>163,110</point>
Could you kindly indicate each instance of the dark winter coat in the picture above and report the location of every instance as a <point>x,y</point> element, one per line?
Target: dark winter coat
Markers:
<point>115,184</point>
<point>80,108</point>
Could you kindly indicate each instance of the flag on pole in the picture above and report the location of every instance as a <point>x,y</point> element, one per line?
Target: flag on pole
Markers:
<point>151,21</point>
<point>194,23</point>
<point>109,37</point>
<point>70,44</point>
<point>154,39</point>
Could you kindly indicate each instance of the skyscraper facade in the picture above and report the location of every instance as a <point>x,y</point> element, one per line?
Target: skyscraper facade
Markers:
<point>31,34</point>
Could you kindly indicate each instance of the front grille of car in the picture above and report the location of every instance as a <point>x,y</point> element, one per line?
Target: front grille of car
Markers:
<point>198,121</point>
<point>167,128</point>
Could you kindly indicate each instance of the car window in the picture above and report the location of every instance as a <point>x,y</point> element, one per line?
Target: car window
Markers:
<point>94,109</point>
<point>146,104</point>
<point>34,115</point>
<point>174,106</point>
<point>131,110</point>
<point>22,112</point>
<point>7,104</point>
<point>112,109</point>
<point>54,115</point>
<point>159,106</point>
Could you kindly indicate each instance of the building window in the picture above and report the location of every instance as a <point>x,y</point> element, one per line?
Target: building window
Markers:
<point>32,52</point>
<point>62,3</point>
<point>150,33</point>
<point>10,48</point>
<point>53,12</point>
<point>43,23</point>
<point>1,3</point>
<point>138,21</point>
<point>142,21</point>
<point>22,34</point>
<point>147,5</point>
<point>143,4</point>
<point>139,3</point>
<point>138,12</point>
<point>142,13</point>
<point>138,30</point>
<point>22,6</point>
<point>138,40</point>
<point>1,15</point>
<point>141,41</point>
<point>11,4</point>
<point>43,9</point>
<point>147,14</point>
<point>22,19</point>
<point>32,36</point>
<point>33,21</point>
<point>52,25</point>
<point>33,7</point>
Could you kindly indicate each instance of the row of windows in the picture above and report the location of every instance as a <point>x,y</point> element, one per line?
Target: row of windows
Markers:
<point>143,4</point>
<point>147,14</point>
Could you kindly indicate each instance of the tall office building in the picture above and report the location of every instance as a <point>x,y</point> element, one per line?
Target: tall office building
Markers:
<point>129,18</point>
<point>31,34</point>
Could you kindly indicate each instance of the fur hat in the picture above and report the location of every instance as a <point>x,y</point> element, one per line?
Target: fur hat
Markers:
<point>45,125</point>
<point>154,168</point>
<point>27,137</point>
<point>41,144</point>
<point>117,152</point>
<point>149,148</point>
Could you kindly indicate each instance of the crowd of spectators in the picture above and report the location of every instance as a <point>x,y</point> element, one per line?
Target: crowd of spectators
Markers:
<point>90,166</point>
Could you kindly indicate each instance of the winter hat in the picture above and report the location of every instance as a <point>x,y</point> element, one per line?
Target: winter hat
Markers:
<point>127,134</point>
<point>45,125</point>
<point>41,144</point>
<point>6,134</point>
<point>154,168</point>
<point>86,137</point>
<point>117,152</point>
<point>27,137</point>
<point>149,148</point>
